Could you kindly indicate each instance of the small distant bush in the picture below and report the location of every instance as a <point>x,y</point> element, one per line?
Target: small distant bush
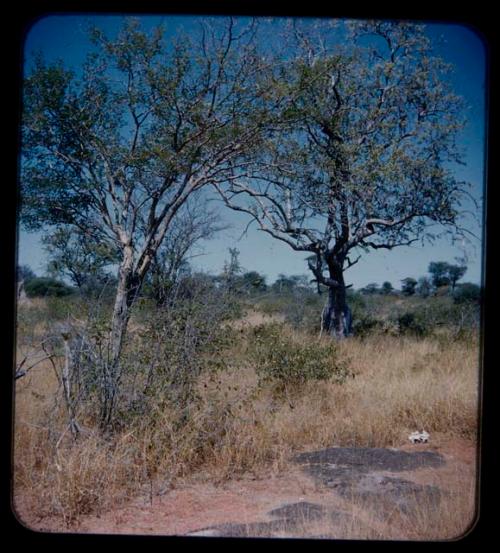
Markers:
<point>387,288</point>
<point>413,323</point>
<point>47,287</point>
<point>279,359</point>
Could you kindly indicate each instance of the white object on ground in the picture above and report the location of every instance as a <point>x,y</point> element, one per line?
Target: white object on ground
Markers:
<point>419,437</point>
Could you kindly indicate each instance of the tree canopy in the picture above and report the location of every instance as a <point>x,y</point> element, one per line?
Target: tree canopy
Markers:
<point>117,148</point>
<point>408,286</point>
<point>335,140</point>
<point>363,156</point>
<point>444,273</point>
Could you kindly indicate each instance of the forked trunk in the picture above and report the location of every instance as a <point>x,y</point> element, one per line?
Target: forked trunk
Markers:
<point>336,316</point>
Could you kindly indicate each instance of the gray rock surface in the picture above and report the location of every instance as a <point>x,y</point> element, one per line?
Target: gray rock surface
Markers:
<point>251,529</point>
<point>302,510</point>
<point>355,474</point>
<point>366,459</point>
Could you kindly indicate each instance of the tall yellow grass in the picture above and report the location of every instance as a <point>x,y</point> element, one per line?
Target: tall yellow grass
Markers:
<point>399,385</point>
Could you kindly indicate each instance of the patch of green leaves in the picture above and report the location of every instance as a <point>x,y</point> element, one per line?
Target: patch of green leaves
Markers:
<point>279,358</point>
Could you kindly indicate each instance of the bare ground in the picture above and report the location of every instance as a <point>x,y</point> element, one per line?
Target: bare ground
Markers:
<point>195,507</point>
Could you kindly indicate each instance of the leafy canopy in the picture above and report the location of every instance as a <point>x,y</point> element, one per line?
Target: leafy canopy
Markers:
<point>365,149</point>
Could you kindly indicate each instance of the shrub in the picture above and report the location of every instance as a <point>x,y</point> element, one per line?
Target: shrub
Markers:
<point>43,286</point>
<point>171,348</point>
<point>467,293</point>
<point>364,324</point>
<point>281,360</point>
<point>413,323</point>
<point>271,304</point>
<point>387,288</point>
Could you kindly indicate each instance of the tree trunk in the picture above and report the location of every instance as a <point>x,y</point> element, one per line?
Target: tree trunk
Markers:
<point>336,316</point>
<point>127,289</point>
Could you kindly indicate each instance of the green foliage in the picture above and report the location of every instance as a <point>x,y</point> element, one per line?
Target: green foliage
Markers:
<point>174,345</point>
<point>81,257</point>
<point>409,286</point>
<point>193,223</point>
<point>252,282</point>
<point>104,151</point>
<point>285,284</point>
<point>363,320</point>
<point>413,323</point>
<point>365,324</point>
<point>280,359</point>
<point>444,274</point>
<point>362,147</point>
<point>271,304</point>
<point>439,313</point>
<point>386,288</point>
<point>467,293</point>
<point>302,308</point>
<point>439,270</point>
<point>232,270</point>
<point>371,288</point>
<point>44,286</point>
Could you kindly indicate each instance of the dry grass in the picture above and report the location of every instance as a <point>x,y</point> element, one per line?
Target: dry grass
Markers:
<point>400,385</point>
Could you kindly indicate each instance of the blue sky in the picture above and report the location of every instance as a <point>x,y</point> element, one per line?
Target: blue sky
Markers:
<point>65,37</point>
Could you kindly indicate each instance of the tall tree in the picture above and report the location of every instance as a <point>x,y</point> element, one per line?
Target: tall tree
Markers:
<point>446,274</point>
<point>439,273</point>
<point>424,287</point>
<point>363,158</point>
<point>232,270</point>
<point>116,148</point>
<point>253,281</point>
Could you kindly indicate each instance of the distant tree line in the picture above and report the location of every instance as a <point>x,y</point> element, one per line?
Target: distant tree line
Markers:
<point>76,272</point>
<point>172,267</point>
<point>443,278</point>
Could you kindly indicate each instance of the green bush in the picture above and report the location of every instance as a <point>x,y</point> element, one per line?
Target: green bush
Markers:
<point>467,293</point>
<point>280,359</point>
<point>413,322</point>
<point>44,286</point>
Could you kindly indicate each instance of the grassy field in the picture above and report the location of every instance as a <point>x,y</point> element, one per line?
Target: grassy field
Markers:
<point>239,422</point>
